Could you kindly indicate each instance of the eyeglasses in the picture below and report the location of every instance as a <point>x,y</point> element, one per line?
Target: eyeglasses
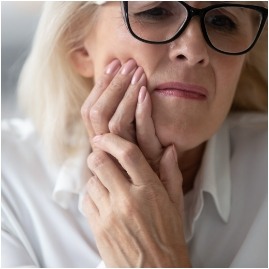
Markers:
<point>228,28</point>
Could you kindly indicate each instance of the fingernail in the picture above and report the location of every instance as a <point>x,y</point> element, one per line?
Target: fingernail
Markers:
<point>137,75</point>
<point>142,94</point>
<point>174,153</point>
<point>128,67</point>
<point>112,67</point>
<point>96,138</point>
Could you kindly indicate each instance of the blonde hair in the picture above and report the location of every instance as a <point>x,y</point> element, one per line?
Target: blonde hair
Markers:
<point>252,91</point>
<point>52,93</point>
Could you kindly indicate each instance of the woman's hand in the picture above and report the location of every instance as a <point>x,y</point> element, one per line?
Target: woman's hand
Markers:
<point>119,103</point>
<point>111,105</point>
<point>136,222</point>
<point>119,107</point>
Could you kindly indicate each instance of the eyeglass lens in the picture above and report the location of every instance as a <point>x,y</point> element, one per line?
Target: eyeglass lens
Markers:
<point>230,29</point>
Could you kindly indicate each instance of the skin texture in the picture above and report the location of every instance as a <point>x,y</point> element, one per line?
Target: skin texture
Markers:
<point>188,59</point>
<point>147,147</point>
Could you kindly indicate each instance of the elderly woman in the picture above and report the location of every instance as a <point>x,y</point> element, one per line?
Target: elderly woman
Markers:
<point>146,138</point>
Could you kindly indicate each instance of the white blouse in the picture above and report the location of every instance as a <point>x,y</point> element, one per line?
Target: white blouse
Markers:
<point>226,212</point>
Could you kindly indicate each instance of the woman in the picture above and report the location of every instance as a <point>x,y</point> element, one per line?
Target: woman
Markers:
<point>154,85</point>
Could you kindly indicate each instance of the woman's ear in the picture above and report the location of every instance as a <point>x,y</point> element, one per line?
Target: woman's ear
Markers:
<point>82,62</point>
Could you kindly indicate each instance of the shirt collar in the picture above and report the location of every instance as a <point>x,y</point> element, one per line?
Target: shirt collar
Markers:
<point>214,178</point>
<point>71,179</point>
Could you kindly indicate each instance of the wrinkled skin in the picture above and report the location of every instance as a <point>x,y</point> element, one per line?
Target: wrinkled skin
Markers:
<point>147,147</point>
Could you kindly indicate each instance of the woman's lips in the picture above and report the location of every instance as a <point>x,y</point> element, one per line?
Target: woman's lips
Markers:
<point>182,90</point>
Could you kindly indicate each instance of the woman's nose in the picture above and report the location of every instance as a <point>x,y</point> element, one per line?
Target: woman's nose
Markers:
<point>190,47</point>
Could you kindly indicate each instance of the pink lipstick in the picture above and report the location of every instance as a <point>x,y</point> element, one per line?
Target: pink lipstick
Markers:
<point>182,90</point>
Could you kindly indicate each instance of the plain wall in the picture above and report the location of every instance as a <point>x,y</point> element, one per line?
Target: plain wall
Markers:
<point>18,24</point>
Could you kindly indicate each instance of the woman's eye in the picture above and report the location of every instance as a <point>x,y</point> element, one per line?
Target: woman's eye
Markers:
<point>221,22</point>
<point>156,13</point>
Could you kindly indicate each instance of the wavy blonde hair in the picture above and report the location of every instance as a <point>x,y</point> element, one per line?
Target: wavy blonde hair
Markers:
<point>51,93</point>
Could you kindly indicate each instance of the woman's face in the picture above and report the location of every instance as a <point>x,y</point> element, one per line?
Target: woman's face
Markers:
<point>186,120</point>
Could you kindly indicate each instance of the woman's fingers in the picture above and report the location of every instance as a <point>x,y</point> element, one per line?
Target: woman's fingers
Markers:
<point>107,171</point>
<point>89,208</point>
<point>100,86</point>
<point>134,163</point>
<point>91,205</point>
<point>122,122</point>
<point>171,177</point>
<point>145,130</point>
<point>111,104</point>
<point>106,96</point>
<point>97,191</point>
<point>129,156</point>
<point>105,107</point>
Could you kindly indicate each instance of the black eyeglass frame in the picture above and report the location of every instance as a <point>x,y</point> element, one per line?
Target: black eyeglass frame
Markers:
<point>201,12</point>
